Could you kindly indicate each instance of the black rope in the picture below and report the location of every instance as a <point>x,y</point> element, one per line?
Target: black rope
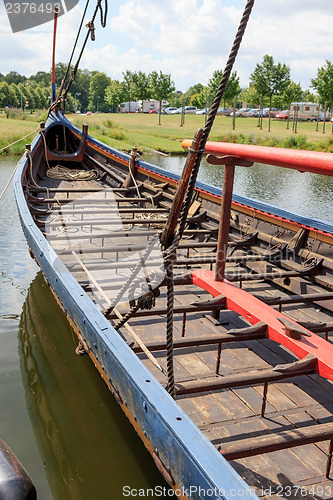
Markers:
<point>73,50</point>
<point>169,326</point>
<point>213,112</point>
<point>90,26</point>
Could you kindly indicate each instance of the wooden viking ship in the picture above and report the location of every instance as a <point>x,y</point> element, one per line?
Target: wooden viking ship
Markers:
<point>211,328</point>
<point>208,315</point>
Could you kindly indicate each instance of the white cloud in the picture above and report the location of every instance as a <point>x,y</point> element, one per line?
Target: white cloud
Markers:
<point>186,38</point>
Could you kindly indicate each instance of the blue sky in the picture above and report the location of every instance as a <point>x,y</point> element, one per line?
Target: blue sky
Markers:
<point>187,38</point>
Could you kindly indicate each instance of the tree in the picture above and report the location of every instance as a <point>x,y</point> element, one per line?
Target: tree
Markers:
<point>162,87</point>
<point>323,84</point>
<point>232,89</point>
<point>194,90</point>
<point>80,87</point>
<point>128,87</point>
<point>43,78</point>
<point>142,90</point>
<point>15,95</point>
<point>14,77</point>
<point>98,84</point>
<point>251,97</point>
<point>270,79</point>
<point>4,94</point>
<point>114,94</point>
<point>201,99</point>
<point>293,93</point>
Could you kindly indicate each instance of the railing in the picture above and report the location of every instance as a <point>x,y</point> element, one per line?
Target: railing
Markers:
<point>316,162</point>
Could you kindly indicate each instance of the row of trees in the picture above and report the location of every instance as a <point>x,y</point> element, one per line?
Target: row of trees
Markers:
<point>270,85</point>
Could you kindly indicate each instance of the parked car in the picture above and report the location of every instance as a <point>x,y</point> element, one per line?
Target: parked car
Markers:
<point>283,115</point>
<point>321,117</point>
<point>252,112</point>
<point>202,111</point>
<point>240,112</point>
<point>169,110</point>
<point>224,111</point>
<point>189,110</point>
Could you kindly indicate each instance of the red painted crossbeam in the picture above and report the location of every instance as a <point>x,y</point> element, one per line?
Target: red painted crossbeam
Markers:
<point>254,310</point>
<point>305,161</point>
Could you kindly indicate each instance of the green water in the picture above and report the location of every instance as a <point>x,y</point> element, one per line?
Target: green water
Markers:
<point>56,413</point>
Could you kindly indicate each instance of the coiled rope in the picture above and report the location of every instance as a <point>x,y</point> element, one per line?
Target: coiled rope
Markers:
<point>71,174</point>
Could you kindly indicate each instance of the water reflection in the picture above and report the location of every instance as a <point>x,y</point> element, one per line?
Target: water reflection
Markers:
<point>302,193</point>
<point>88,447</point>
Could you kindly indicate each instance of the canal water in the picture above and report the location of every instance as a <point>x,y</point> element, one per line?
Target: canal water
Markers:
<point>55,411</point>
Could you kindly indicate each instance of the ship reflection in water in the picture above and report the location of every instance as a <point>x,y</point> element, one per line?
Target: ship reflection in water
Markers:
<point>88,447</point>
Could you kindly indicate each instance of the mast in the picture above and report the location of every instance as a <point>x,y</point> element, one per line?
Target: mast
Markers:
<point>53,84</point>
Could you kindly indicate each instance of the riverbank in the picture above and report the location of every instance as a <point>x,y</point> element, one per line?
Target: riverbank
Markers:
<point>123,131</point>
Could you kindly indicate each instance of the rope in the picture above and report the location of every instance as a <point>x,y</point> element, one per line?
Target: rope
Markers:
<point>10,180</point>
<point>91,30</point>
<point>213,111</point>
<point>169,326</point>
<point>12,144</point>
<point>73,50</point>
<point>132,276</point>
<point>64,173</point>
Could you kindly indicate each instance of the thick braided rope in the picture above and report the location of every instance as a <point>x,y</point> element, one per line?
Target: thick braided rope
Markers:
<point>169,326</point>
<point>213,111</point>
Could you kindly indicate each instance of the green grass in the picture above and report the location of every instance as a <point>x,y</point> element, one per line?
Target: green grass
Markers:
<point>123,131</point>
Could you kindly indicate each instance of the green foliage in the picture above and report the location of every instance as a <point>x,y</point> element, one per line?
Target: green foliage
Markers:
<point>323,83</point>
<point>232,89</point>
<point>293,93</point>
<point>161,85</point>
<point>270,79</point>
<point>98,85</point>
<point>114,94</point>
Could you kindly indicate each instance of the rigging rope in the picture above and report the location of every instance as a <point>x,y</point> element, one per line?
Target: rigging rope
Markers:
<point>190,190</point>
<point>91,29</point>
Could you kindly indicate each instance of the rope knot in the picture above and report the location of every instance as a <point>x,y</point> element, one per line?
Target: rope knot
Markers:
<point>91,28</point>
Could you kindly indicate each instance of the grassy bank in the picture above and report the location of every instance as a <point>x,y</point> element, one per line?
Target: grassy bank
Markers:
<point>123,131</point>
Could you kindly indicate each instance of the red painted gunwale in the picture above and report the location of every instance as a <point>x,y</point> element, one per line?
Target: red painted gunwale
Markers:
<point>316,162</point>
<point>254,310</point>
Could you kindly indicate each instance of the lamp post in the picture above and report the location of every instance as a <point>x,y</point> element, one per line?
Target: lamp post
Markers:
<point>76,93</point>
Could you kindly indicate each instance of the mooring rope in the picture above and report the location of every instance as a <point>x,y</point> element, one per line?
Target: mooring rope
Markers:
<point>18,140</point>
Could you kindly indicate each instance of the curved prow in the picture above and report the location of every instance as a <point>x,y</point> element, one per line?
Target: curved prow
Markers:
<point>15,483</point>
<point>77,156</point>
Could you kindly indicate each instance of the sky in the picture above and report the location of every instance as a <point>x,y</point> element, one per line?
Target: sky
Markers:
<point>188,39</point>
